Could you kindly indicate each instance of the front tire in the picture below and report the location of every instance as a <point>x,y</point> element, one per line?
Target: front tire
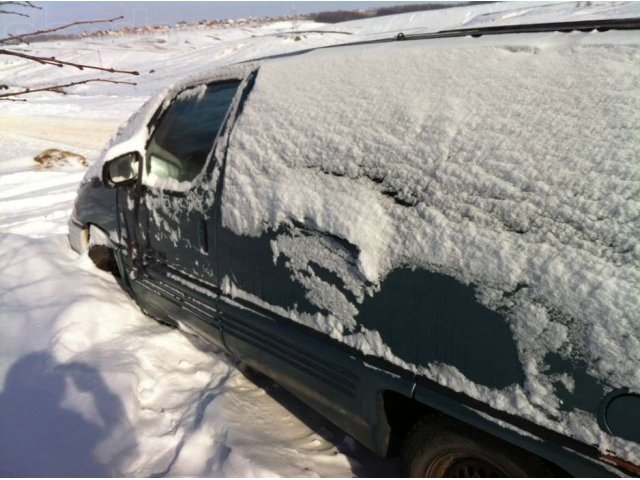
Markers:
<point>103,258</point>
<point>439,448</point>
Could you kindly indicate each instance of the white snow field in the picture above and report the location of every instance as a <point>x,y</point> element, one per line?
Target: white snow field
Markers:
<point>90,386</point>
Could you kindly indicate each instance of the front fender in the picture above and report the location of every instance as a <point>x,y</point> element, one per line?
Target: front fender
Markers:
<point>95,205</point>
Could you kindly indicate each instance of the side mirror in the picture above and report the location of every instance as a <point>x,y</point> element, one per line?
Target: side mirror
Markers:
<point>121,170</point>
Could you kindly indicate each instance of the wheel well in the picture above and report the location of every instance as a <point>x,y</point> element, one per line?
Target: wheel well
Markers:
<point>403,413</point>
<point>101,252</point>
<point>96,235</point>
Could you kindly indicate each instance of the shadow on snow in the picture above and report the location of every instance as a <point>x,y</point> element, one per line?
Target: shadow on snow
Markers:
<point>40,436</point>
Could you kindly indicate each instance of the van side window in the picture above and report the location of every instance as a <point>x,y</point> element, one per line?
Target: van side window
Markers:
<point>179,146</point>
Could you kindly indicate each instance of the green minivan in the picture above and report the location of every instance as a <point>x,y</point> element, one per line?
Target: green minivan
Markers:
<point>431,240</point>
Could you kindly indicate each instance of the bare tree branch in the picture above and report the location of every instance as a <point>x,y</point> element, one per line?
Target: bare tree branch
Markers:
<point>62,63</point>
<point>23,41</point>
<point>62,27</point>
<point>24,4</point>
<point>43,61</point>
<point>13,99</point>
<point>57,88</point>
<point>6,12</point>
<point>21,4</point>
<point>17,39</point>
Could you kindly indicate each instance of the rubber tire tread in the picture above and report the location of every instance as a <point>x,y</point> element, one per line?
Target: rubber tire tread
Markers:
<point>433,436</point>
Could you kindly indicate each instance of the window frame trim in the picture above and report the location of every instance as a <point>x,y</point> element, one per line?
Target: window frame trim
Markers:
<point>159,115</point>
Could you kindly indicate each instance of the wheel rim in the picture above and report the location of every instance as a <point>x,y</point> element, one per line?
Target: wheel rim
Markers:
<point>458,465</point>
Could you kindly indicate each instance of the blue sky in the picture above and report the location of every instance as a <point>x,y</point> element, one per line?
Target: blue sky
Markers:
<point>145,13</point>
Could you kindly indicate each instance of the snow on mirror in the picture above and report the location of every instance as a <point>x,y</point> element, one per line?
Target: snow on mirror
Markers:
<point>122,169</point>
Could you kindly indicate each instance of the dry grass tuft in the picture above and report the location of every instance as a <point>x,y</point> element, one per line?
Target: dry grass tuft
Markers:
<point>53,157</point>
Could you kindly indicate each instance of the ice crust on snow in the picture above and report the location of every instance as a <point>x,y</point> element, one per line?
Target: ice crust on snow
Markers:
<point>510,164</point>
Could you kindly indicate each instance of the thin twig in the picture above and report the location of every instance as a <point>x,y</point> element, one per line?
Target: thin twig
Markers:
<point>41,32</point>
<point>56,88</point>
<point>6,12</point>
<point>43,61</point>
<point>62,63</point>
<point>21,4</point>
<point>23,41</point>
<point>13,99</point>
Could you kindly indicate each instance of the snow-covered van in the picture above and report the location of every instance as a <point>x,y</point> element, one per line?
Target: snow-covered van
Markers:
<point>432,240</point>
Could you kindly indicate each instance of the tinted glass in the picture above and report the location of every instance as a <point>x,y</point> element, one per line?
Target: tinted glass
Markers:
<point>180,144</point>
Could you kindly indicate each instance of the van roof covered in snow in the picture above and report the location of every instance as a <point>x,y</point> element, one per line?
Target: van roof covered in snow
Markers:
<point>475,32</point>
<point>509,163</point>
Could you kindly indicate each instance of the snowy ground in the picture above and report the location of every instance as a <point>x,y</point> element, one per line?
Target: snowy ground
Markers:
<point>88,384</point>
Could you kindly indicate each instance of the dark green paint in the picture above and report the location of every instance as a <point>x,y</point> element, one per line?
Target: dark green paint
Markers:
<point>423,316</point>
<point>427,317</point>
